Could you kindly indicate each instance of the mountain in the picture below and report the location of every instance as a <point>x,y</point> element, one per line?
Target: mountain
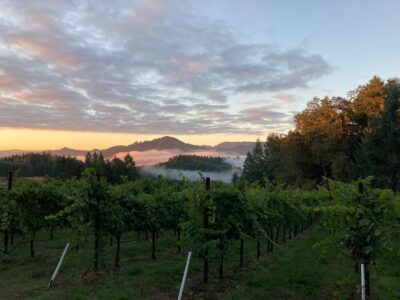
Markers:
<point>235,147</point>
<point>68,152</point>
<point>163,143</point>
<point>4,153</point>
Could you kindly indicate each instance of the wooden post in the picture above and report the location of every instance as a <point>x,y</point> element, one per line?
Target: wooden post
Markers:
<point>205,225</point>
<point>365,258</point>
<point>153,244</point>
<point>241,252</point>
<point>10,180</point>
<point>178,234</point>
<point>6,234</point>
<point>284,235</point>
<point>97,232</point>
<point>221,260</point>
<point>117,253</point>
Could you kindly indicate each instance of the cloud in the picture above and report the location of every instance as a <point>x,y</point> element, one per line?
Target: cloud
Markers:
<point>139,66</point>
<point>285,97</point>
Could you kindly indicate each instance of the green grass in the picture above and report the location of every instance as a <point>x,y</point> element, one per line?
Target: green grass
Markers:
<point>295,271</point>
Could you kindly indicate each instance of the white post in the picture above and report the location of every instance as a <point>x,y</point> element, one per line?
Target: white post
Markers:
<point>362,282</point>
<point>58,266</point>
<point>184,275</point>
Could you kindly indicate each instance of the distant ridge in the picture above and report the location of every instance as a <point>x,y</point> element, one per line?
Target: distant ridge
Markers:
<point>163,143</point>
<point>237,147</point>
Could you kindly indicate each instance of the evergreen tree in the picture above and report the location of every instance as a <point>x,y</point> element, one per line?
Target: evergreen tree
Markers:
<point>254,165</point>
<point>379,155</point>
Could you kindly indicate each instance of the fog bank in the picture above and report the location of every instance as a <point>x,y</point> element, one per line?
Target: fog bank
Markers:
<point>176,174</point>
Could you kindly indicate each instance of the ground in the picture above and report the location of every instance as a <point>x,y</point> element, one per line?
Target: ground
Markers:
<point>297,270</point>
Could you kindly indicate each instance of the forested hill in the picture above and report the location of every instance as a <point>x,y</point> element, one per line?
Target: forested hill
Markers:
<point>163,143</point>
<point>65,167</point>
<point>196,163</point>
<point>40,165</point>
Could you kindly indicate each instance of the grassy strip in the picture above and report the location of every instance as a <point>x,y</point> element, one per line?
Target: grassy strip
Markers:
<point>295,271</point>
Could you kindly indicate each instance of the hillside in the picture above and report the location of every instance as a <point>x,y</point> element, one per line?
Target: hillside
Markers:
<point>196,163</point>
<point>163,143</point>
<point>235,147</point>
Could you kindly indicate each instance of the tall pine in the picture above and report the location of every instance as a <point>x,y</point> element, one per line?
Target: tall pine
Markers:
<point>254,165</point>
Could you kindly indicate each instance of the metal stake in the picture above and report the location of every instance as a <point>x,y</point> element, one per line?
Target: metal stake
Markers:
<point>58,266</point>
<point>184,275</point>
<point>362,282</point>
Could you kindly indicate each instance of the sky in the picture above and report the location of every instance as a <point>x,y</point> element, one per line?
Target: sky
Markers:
<point>93,74</point>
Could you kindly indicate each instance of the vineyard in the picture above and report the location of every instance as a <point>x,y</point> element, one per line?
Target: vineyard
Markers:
<point>129,240</point>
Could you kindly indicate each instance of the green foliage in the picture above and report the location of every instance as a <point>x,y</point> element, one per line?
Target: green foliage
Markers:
<point>379,154</point>
<point>40,165</point>
<point>254,165</point>
<point>337,138</point>
<point>115,170</point>
<point>360,223</point>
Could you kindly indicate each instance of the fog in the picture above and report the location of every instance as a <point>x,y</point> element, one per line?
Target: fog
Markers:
<point>226,176</point>
<point>152,157</point>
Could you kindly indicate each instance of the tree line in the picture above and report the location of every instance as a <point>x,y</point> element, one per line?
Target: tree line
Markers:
<point>197,163</point>
<point>64,167</point>
<point>338,138</point>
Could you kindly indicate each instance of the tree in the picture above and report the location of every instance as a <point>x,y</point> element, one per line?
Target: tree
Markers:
<point>379,153</point>
<point>131,167</point>
<point>367,102</point>
<point>254,165</point>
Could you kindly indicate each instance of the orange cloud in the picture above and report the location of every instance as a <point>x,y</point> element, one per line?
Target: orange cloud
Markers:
<point>42,96</point>
<point>45,52</point>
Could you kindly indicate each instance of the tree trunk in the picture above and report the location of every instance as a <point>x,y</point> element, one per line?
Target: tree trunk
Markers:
<point>147,236</point>
<point>153,244</point>
<point>111,240</point>
<point>290,233</point>
<point>12,239</point>
<point>258,248</point>
<point>117,253</point>
<point>241,252</point>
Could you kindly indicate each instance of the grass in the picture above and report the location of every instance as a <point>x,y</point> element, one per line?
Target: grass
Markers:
<point>294,271</point>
